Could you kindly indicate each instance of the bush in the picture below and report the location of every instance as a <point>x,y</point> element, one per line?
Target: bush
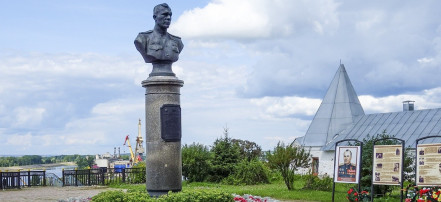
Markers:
<point>196,162</point>
<point>138,177</point>
<point>116,196</point>
<point>312,182</point>
<point>287,159</point>
<point>143,196</point>
<point>199,195</point>
<point>249,173</point>
<point>274,175</point>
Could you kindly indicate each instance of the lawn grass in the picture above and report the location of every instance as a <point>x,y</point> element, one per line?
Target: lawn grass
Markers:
<point>276,190</point>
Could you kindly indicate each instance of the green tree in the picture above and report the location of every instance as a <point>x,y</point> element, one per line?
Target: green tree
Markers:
<point>248,150</point>
<point>226,155</point>
<point>288,159</point>
<point>366,170</point>
<point>84,162</point>
<point>196,162</point>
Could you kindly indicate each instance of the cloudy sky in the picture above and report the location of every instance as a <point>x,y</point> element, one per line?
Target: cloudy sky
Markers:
<point>70,76</point>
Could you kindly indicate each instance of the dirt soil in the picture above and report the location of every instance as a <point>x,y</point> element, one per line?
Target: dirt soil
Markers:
<point>51,193</point>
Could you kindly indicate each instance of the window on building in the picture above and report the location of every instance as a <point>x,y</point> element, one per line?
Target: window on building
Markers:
<point>315,165</point>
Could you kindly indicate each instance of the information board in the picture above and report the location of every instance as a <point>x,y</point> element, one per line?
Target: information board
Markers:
<point>429,164</point>
<point>388,163</point>
<point>347,169</point>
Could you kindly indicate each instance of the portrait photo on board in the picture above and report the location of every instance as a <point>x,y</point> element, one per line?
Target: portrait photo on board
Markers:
<point>347,168</point>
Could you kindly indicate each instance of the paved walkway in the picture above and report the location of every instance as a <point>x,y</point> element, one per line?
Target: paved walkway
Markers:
<point>41,194</point>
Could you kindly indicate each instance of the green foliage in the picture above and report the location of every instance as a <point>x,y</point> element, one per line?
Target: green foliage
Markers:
<point>199,195</point>
<point>184,196</point>
<point>248,150</point>
<point>138,177</point>
<point>36,159</point>
<point>366,170</point>
<point>287,159</point>
<point>313,182</point>
<point>274,176</point>
<point>196,162</point>
<point>226,155</point>
<point>116,196</point>
<point>140,164</point>
<point>20,161</point>
<point>84,162</point>
<point>249,173</point>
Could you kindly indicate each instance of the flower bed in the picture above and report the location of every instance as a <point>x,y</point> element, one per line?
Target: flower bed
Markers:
<point>250,198</point>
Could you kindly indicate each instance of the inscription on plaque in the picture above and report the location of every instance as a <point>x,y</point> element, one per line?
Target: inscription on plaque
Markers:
<point>171,123</point>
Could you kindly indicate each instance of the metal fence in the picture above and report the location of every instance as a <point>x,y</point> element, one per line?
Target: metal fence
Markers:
<point>90,177</point>
<point>86,177</point>
<point>18,179</point>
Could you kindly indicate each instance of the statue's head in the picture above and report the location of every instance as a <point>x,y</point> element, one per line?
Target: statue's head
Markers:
<point>162,15</point>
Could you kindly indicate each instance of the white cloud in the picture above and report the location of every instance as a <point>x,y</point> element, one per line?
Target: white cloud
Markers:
<point>425,60</point>
<point>25,116</point>
<point>118,107</point>
<point>20,140</point>
<point>282,107</point>
<point>425,99</point>
<point>251,19</point>
<point>86,138</point>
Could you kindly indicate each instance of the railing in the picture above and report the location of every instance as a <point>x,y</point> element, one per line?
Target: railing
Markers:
<point>33,178</point>
<point>87,177</point>
<point>90,177</point>
<point>9,180</point>
<point>18,179</point>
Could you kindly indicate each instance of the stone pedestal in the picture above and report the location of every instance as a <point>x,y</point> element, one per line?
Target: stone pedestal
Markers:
<point>163,134</point>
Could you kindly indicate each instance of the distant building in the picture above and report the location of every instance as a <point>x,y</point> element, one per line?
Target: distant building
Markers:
<point>341,116</point>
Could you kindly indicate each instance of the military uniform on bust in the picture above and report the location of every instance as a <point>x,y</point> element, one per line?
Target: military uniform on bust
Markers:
<point>157,49</point>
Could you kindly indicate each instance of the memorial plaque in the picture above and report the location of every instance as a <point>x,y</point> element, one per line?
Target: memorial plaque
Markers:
<point>429,165</point>
<point>388,164</point>
<point>171,123</point>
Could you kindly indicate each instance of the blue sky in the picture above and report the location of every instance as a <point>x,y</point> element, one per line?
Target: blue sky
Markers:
<point>70,75</point>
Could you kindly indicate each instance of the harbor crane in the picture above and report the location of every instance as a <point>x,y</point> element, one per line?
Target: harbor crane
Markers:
<point>132,155</point>
<point>139,149</point>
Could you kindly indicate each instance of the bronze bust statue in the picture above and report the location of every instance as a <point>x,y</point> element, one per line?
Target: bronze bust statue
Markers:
<point>157,46</point>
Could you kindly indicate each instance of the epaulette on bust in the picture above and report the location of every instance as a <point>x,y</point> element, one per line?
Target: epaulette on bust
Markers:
<point>174,36</point>
<point>147,32</point>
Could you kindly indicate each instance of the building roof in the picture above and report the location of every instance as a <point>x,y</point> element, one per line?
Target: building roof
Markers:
<point>339,109</point>
<point>406,125</point>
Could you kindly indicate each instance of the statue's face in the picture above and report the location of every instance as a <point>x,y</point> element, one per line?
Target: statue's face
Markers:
<point>163,17</point>
<point>347,157</point>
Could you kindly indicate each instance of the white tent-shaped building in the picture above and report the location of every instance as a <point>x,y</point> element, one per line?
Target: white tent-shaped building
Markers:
<point>341,116</point>
<point>338,110</point>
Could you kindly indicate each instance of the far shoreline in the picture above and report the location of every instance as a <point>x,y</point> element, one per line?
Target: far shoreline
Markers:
<point>37,166</point>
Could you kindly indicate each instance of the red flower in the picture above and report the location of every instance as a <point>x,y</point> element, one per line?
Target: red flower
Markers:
<point>350,191</point>
<point>355,194</point>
